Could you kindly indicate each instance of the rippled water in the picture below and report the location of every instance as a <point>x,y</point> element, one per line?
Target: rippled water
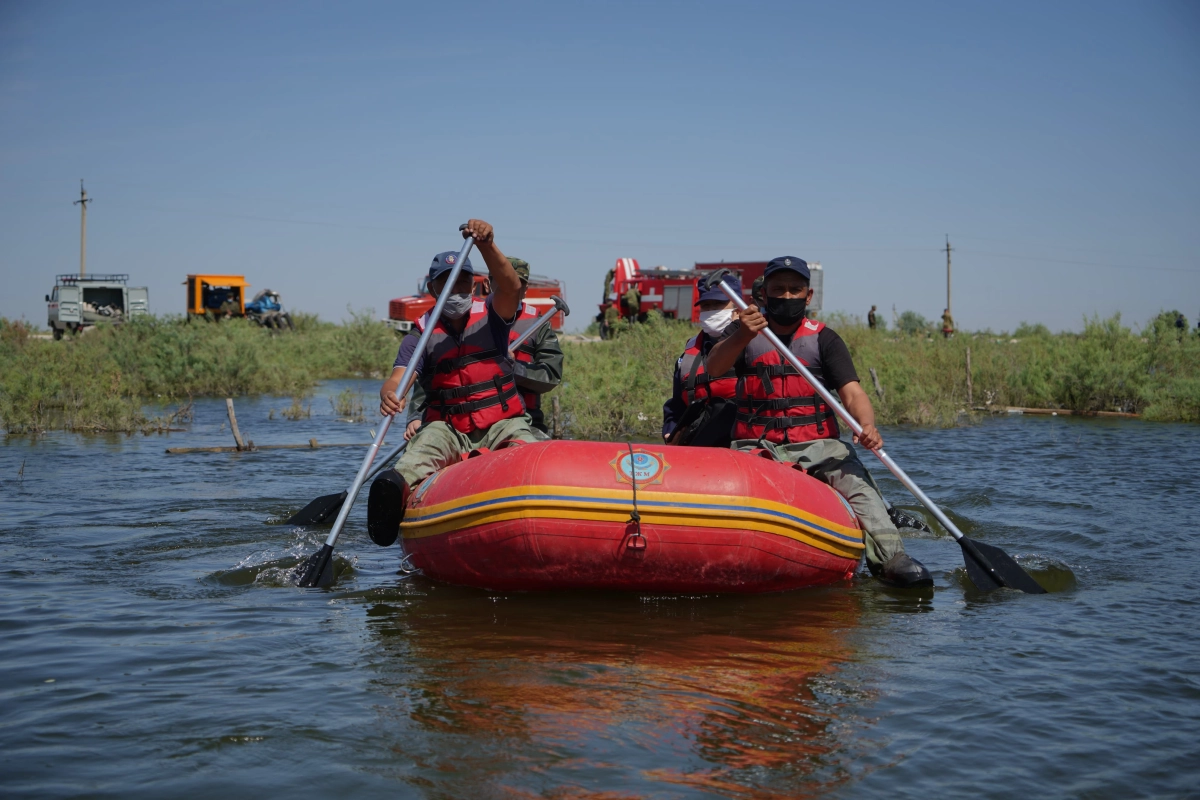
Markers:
<point>150,647</point>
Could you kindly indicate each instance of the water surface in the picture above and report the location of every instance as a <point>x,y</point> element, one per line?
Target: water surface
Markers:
<point>150,647</point>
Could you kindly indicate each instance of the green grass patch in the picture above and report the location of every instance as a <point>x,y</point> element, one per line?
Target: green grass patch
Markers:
<point>616,388</point>
<point>140,376</point>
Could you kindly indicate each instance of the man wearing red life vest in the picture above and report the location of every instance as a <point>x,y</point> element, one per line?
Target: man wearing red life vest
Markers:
<point>781,412</point>
<point>537,363</point>
<point>700,410</point>
<point>471,396</point>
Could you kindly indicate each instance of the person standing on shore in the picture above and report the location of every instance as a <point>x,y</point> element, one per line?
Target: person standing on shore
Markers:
<point>632,302</point>
<point>472,399</point>
<point>871,321</point>
<point>947,324</point>
<point>780,412</point>
<point>700,410</point>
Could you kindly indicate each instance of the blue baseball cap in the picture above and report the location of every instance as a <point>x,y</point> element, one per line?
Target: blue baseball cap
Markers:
<point>710,290</point>
<point>797,265</point>
<point>444,262</point>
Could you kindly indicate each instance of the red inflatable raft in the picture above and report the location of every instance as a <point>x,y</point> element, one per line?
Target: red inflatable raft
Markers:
<point>600,515</point>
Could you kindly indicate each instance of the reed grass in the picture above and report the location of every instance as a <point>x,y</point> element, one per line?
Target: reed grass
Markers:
<point>616,388</point>
<point>133,377</point>
<point>126,378</point>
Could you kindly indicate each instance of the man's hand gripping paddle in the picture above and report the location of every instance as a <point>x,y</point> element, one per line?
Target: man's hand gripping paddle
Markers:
<point>988,567</point>
<point>317,569</point>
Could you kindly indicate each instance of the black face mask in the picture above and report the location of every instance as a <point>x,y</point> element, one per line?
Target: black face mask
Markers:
<point>785,311</point>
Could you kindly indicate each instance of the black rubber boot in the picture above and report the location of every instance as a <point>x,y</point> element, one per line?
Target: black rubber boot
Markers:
<point>903,572</point>
<point>385,507</point>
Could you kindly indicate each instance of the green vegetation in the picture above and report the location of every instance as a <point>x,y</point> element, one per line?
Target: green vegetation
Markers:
<point>142,375</point>
<point>113,378</point>
<point>616,388</point>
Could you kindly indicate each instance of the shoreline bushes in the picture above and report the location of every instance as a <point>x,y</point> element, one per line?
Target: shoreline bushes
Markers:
<point>104,379</point>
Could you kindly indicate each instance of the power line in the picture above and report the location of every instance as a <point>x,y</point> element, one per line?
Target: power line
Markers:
<point>1041,259</point>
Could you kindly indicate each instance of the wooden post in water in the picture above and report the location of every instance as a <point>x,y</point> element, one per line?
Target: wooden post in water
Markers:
<point>970,393</point>
<point>237,435</point>
<point>875,380</point>
<point>555,432</point>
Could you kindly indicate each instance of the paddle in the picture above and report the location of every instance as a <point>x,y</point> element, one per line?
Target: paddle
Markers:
<point>325,506</point>
<point>542,321</point>
<point>317,569</point>
<point>988,567</point>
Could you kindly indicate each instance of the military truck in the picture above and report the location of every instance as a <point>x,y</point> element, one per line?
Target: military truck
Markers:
<point>79,301</point>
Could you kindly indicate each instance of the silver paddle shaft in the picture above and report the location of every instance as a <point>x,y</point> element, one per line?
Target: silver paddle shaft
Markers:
<point>406,382</point>
<point>840,410</point>
<point>542,322</point>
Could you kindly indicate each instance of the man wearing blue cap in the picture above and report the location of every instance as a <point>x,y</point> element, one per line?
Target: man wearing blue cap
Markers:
<point>700,411</point>
<point>779,411</point>
<point>471,396</point>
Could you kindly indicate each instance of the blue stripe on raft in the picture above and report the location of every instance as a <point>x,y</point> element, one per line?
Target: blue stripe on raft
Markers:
<point>424,520</point>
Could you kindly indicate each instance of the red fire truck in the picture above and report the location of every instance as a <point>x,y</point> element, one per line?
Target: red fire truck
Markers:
<point>404,311</point>
<point>674,291</point>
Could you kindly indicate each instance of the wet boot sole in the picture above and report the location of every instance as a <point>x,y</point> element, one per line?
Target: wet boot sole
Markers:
<point>385,509</point>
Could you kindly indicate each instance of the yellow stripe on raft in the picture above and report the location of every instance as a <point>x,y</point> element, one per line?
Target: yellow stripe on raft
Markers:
<point>614,505</point>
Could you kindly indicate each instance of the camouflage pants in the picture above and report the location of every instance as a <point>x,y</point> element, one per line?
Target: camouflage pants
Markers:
<point>834,462</point>
<point>437,445</point>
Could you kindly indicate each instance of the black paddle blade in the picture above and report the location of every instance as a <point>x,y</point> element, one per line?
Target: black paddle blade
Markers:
<point>319,510</point>
<point>317,569</point>
<point>990,568</point>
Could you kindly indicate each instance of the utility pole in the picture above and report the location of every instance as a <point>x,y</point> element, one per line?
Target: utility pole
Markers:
<point>82,203</point>
<point>948,249</point>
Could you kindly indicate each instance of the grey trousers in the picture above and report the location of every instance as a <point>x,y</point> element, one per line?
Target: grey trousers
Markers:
<point>834,462</point>
<point>437,445</point>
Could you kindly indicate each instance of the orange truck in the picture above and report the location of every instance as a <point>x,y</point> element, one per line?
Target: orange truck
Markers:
<point>404,311</point>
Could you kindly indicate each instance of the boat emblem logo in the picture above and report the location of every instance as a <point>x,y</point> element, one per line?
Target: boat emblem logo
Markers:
<point>639,467</point>
<point>451,259</point>
<point>425,484</point>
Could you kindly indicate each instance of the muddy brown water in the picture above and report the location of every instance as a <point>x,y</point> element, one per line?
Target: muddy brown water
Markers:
<point>150,645</point>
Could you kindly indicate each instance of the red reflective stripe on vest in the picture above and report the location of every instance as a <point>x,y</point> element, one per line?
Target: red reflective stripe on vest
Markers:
<point>468,381</point>
<point>774,401</point>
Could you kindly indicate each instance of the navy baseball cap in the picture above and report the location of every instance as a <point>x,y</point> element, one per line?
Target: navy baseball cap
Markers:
<point>444,262</point>
<point>797,265</point>
<point>709,290</point>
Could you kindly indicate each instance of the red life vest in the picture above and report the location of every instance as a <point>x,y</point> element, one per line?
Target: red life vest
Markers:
<point>468,381</point>
<point>697,383</point>
<point>524,354</point>
<point>774,401</point>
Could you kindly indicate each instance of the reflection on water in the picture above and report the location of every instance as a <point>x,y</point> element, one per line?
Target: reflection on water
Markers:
<point>151,644</point>
<point>729,695</point>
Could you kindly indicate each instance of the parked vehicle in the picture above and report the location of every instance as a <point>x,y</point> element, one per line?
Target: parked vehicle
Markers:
<point>749,271</point>
<point>404,311</point>
<point>631,293</point>
<point>78,302</point>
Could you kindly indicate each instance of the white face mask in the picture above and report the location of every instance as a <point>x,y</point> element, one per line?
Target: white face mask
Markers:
<point>457,305</point>
<point>714,322</point>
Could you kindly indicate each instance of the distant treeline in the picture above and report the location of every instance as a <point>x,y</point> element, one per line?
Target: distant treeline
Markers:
<point>139,375</point>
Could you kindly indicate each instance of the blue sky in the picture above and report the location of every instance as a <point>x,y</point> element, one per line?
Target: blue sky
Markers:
<point>329,150</point>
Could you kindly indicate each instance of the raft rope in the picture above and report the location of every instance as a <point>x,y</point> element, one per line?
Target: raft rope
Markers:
<point>634,516</point>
